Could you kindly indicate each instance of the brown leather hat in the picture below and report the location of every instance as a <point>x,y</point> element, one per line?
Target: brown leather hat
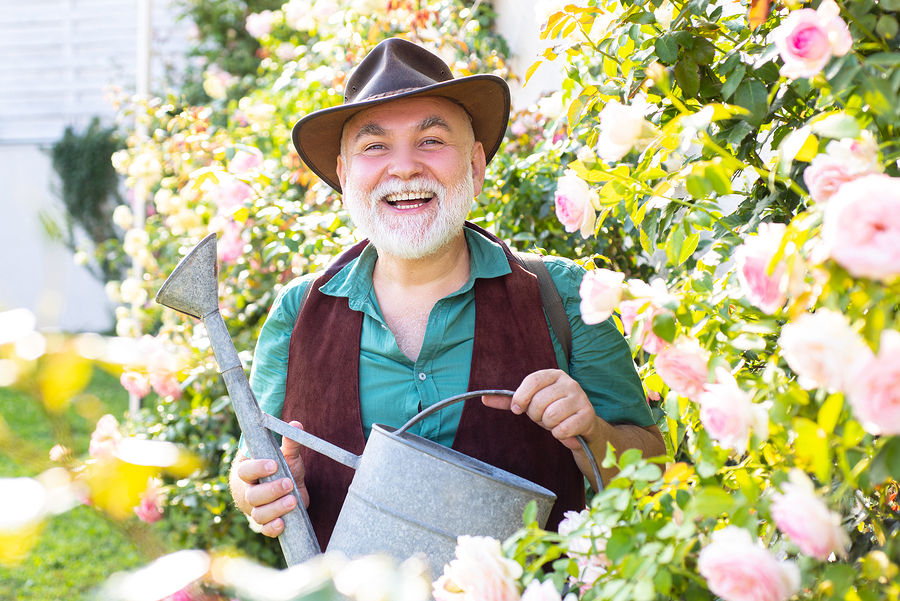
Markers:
<point>394,69</point>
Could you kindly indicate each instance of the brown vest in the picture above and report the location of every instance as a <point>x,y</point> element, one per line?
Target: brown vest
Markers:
<point>512,340</point>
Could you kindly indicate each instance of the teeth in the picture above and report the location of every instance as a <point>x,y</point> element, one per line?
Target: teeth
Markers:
<point>409,196</point>
<point>405,207</point>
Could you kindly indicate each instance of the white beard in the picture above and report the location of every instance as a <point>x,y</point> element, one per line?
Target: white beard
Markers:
<point>411,236</point>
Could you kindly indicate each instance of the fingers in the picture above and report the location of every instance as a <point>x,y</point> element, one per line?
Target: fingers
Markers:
<point>556,402</point>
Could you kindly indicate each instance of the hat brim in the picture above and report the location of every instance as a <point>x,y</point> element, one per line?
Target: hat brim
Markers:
<point>317,136</point>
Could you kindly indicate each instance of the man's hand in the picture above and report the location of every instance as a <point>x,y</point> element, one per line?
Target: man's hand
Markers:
<point>266,502</point>
<point>556,402</point>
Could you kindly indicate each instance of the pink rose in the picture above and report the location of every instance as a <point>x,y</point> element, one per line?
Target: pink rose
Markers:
<point>806,519</point>
<point>600,291</point>
<point>150,508</point>
<point>259,25</point>
<point>135,383</point>
<point>644,305</point>
<point>245,160</point>
<point>574,207</point>
<point>620,128</point>
<point>165,384</point>
<point>105,438</point>
<point>752,258</point>
<point>729,414</point>
<point>820,347</point>
<point>684,367</point>
<point>230,246</point>
<point>480,571</point>
<point>737,569</point>
<point>541,591</point>
<point>873,387</point>
<point>231,195</point>
<point>807,38</point>
<point>861,227</point>
<point>843,161</point>
<point>628,312</point>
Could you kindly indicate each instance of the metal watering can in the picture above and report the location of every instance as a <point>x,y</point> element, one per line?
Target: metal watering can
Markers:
<point>409,495</point>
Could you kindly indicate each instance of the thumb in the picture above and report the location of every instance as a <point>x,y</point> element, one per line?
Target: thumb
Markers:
<point>291,448</point>
<point>496,401</point>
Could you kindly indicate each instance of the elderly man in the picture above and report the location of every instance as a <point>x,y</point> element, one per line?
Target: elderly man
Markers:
<point>430,307</point>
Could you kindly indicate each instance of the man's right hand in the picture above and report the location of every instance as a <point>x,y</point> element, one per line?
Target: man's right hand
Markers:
<point>266,502</point>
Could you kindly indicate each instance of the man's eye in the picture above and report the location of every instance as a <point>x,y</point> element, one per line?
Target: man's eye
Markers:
<point>432,142</point>
<point>374,147</point>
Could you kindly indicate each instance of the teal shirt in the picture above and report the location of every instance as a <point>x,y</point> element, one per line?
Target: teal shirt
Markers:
<point>393,388</point>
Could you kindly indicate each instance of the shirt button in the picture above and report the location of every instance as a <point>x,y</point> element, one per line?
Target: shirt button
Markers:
<point>422,376</point>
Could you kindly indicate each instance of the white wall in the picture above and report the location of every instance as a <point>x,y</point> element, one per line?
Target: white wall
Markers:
<point>517,24</point>
<point>58,61</point>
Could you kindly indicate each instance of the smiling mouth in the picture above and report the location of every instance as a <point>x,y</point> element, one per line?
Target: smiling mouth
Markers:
<point>411,200</point>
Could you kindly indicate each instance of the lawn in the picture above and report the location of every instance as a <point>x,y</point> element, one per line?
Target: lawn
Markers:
<point>79,549</point>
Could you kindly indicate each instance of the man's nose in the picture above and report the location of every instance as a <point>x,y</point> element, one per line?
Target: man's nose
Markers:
<point>405,163</point>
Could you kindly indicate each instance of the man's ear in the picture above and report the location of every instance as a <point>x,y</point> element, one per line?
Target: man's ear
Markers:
<point>340,171</point>
<point>479,165</point>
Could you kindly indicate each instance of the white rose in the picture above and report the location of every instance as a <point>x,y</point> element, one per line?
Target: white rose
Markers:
<point>122,217</point>
<point>620,128</point>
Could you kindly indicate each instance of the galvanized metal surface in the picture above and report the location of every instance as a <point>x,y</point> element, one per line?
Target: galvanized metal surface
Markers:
<point>412,495</point>
<point>192,288</point>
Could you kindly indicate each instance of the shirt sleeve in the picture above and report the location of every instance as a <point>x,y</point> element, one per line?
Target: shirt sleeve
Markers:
<point>601,358</point>
<point>269,370</point>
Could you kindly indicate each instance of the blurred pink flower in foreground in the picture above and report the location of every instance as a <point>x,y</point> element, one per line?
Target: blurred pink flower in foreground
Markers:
<point>873,387</point>
<point>541,591</point>
<point>601,292</point>
<point>574,205</point>
<point>729,414</point>
<point>259,25</point>
<point>586,545</point>
<point>480,572</point>
<point>231,195</point>
<point>820,347</point>
<point>150,508</point>
<point>684,367</point>
<point>136,383</point>
<point>162,366</point>
<point>59,452</point>
<point>807,520</point>
<point>861,227</point>
<point>808,38</point>
<point>105,438</point>
<point>765,290</point>
<point>843,161</point>
<point>738,569</point>
<point>245,160</point>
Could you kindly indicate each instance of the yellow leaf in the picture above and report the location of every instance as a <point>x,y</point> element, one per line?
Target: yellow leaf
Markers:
<point>116,486</point>
<point>16,544</point>
<point>531,70</point>
<point>62,376</point>
<point>811,448</point>
<point>758,13</point>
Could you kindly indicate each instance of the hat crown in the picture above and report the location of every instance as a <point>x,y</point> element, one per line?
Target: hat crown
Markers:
<point>392,67</point>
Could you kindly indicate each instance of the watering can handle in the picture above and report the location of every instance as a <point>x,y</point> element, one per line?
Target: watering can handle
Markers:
<point>468,395</point>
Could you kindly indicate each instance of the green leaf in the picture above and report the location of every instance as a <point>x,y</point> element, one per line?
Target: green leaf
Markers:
<point>620,542</point>
<point>837,125</point>
<point>664,326</point>
<point>702,51</point>
<point>752,95</point>
<point>684,39</point>
<point>688,248</point>
<point>811,447</point>
<point>887,27</point>
<point>687,75</point>
<point>674,245</point>
<point>733,80</point>
<point>886,463</point>
<point>710,502</point>
<point>666,49</point>
<point>529,517</point>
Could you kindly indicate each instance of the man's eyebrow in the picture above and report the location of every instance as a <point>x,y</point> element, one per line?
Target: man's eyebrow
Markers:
<point>433,121</point>
<point>369,129</point>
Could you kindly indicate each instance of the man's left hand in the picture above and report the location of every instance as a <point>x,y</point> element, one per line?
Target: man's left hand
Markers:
<point>554,401</point>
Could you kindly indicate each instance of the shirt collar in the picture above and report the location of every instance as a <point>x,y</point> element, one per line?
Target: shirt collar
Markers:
<point>486,260</point>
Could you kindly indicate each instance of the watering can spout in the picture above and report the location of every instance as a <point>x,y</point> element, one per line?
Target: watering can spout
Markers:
<point>192,288</point>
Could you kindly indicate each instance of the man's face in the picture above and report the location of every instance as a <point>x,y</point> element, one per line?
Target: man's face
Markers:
<point>409,170</point>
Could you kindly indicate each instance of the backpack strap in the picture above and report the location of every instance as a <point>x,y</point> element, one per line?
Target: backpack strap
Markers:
<point>550,298</point>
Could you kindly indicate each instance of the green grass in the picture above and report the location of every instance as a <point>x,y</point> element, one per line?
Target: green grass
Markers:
<point>79,549</point>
